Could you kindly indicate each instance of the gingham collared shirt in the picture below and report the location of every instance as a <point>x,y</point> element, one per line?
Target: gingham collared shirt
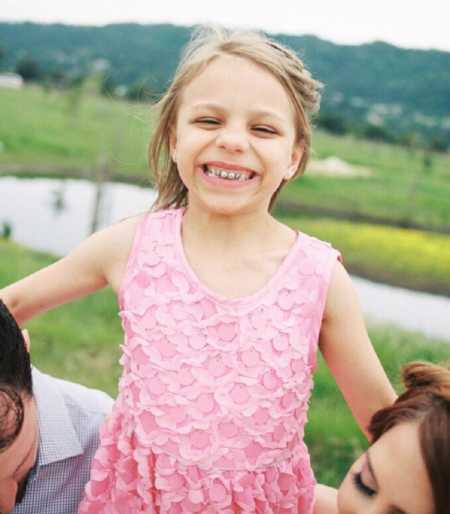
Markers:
<point>69,420</point>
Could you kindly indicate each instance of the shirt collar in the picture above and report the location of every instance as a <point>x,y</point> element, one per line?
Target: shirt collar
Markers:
<point>58,439</point>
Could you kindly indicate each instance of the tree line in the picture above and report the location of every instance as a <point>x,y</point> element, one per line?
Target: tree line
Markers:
<point>376,90</point>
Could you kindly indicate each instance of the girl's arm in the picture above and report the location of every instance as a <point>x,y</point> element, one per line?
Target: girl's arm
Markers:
<point>98,261</point>
<point>349,354</point>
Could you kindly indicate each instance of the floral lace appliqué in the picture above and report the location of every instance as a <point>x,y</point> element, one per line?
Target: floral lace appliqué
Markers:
<point>213,397</point>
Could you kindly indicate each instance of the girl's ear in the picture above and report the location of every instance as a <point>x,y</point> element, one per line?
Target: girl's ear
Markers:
<point>296,157</point>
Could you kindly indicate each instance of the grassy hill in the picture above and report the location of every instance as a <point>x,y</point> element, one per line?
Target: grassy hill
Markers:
<point>403,91</point>
<point>55,133</point>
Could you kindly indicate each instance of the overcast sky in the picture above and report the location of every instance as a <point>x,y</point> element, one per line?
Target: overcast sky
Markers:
<point>414,24</point>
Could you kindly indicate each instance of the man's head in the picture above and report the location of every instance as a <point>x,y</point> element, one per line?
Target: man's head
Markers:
<point>18,415</point>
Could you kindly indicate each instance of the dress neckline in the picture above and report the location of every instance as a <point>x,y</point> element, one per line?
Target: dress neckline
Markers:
<point>218,297</point>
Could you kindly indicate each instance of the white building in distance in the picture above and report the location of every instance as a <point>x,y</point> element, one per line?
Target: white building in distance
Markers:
<point>11,80</point>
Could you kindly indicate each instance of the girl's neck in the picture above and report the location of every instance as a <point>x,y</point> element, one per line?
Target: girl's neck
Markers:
<point>225,233</point>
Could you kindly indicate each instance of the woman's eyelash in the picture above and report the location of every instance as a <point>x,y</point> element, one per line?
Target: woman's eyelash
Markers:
<point>361,486</point>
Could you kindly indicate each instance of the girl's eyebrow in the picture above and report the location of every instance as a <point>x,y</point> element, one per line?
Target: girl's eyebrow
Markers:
<point>217,107</point>
<point>207,105</point>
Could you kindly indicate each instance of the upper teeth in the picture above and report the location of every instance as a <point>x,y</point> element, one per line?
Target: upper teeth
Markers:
<point>230,175</point>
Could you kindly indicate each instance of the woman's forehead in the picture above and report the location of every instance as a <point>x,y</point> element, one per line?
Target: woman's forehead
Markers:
<point>399,470</point>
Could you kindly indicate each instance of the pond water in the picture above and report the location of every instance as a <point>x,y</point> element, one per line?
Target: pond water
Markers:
<point>55,215</point>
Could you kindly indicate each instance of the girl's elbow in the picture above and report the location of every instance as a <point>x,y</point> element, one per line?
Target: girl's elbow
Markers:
<point>15,304</point>
<point>8,299</point>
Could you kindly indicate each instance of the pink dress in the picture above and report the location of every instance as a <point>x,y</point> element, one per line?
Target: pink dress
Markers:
<point>213,398</point>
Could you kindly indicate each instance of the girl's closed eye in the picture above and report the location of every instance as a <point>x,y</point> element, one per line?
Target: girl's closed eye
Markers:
<point>265,129</point>
<point>361,486</point>
<point>207,121</point>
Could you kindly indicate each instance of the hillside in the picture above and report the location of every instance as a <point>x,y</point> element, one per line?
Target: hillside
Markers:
<point>381,183</point>
<point>399,90</point>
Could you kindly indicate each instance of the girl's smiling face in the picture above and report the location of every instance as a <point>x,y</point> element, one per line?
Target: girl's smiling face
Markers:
<point>235,139</point>
<point>390,478</point>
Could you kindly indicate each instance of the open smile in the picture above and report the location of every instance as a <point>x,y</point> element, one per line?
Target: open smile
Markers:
<point>228,173</point>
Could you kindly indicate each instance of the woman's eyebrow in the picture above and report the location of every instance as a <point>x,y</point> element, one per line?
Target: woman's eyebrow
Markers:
<point>393,509</point>
<point>369,466</point>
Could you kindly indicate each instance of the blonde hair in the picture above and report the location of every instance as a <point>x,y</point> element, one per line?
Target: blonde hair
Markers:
<point>205,46</point>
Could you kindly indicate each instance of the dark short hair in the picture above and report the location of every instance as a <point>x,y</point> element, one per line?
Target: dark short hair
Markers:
<point>15,378</point>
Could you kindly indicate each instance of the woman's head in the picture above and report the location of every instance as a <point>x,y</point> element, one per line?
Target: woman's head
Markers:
<point>208,46</point>
<point>407,468</point>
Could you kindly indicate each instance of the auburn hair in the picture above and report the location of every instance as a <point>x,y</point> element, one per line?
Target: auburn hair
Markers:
<point>425,401</point>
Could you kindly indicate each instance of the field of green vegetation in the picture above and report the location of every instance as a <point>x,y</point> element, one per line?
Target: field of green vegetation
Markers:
<point>401,188</point>
<point>68,133</point>
<point>408,258</point>
<point>81,341</point>
<point>58,133</point>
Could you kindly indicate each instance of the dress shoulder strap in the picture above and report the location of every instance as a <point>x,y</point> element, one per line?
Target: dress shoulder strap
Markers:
<point>154,229</point>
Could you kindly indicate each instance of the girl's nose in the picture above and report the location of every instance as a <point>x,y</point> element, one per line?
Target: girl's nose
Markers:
<point>233,139</point>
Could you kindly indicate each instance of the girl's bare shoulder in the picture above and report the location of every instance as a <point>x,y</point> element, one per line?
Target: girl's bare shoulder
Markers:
<point>116,242</point>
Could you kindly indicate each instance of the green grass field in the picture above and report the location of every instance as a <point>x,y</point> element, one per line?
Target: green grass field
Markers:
<point>42,132</point>
<point>81,342</point>
<point>399,189</point>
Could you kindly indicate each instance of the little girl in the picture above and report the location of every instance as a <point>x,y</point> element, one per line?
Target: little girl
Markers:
<point>222,306</point>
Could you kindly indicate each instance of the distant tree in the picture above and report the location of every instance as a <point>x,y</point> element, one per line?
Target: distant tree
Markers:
<point>108,86</point>
<point>140,92</point>
<point>28,69</point>
<point>6,230</point>
<point>427,162</point>
<point>57,78</point>
<point>410,140</point>
<point>332,123</point>
<point>74,94</point>
<point>439,144</point>
<point>377,133</point>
